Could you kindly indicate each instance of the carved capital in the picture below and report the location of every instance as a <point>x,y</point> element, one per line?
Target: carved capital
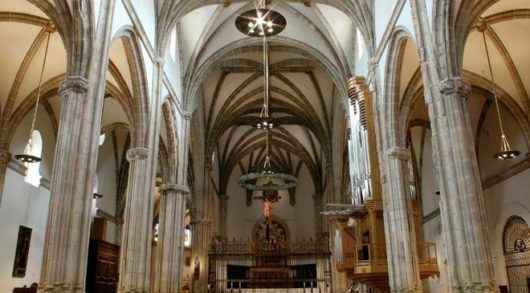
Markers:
<point>173,187</point>
<point>135,154</point>
<point>399,153</point>
<point>455,86</point>
<point>73,84</point>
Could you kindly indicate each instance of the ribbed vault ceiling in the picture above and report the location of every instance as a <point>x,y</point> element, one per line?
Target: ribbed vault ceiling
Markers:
<point>23,33</point>
<point>301,106</point>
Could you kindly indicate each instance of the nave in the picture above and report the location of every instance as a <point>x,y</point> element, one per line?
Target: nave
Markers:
<point>328,146</point>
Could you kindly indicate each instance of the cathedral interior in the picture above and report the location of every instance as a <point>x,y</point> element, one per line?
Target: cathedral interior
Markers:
<point>323,146</point>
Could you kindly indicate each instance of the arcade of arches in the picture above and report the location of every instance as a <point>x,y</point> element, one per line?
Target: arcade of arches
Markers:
<point>392,153</point>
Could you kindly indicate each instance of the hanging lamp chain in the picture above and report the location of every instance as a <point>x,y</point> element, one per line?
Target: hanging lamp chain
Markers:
<point>39,88</point>
<point>267,77</point>
<point>492,78</point>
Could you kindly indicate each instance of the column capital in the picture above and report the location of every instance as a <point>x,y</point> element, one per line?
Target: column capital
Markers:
<point>177,188</point>
<point>399,153</point>
<point>135,154</point>
<point>455,86</point>
<point>76,84</point>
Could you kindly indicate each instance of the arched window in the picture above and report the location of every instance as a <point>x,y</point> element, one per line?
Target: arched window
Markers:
<point>95,189</point>
<point>102,139</point>
<point>187,237</point>
<point>173,44</point>
<point>35,149</point>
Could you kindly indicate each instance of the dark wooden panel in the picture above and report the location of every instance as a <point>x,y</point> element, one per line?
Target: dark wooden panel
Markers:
<point>22,252</point>
<point>103,267</point>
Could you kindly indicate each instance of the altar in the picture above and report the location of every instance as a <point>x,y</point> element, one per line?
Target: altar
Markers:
<point>270,263</point>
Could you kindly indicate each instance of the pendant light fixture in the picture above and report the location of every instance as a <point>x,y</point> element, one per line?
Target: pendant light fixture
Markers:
<point>263,22</point>
<point>506,152</point>
<point>28,157</point>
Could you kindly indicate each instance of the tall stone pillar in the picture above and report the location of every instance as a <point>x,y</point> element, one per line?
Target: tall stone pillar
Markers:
<point>462,207</point>
<point>137,236</point>
<point>463,214</point>
<point>135,253</point>
<point>171,238</point>
<point>200,244</point>
<point>75,161</point>
<point>68,227</point>
<point>402,253</point>
<point>5,157</point>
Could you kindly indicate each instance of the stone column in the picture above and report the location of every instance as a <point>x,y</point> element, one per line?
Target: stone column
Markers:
<point>69,216</point>
<point>462,207</point>
<point>135,254</point>
<point>75,161</point>
<point>200,244</point>
<point>463,214</point>
<point>223,215</point>
<point>5,157</point>
<point>171,238</point>
<point>400,236</point>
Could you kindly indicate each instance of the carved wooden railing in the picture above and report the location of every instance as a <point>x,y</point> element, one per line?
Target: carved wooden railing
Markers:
<point>293,285</point>
<point>246,247</point>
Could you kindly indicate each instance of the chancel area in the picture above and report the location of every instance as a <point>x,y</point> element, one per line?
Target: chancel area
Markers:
<point>260,146</point>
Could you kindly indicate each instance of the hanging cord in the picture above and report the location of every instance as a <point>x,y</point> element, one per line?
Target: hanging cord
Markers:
<point>39,88</point>
<point>492,77</point>
<point>267,163</point>
<point>267,77</point>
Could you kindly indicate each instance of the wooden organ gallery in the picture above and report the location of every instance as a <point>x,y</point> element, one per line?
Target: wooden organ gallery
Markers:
<point>359,249</point>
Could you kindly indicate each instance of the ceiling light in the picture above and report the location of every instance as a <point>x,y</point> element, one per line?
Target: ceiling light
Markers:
<point>28,157</point>
<point>506,152</point>
<point>267,179</point>
<point>263,19</point>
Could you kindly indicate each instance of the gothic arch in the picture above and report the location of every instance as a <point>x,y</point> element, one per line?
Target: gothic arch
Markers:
<point>140,95</point>
<point>392,133</point>
<point>200,74</point>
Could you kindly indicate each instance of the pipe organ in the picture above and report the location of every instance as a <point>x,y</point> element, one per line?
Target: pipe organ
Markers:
<point>359,238</point>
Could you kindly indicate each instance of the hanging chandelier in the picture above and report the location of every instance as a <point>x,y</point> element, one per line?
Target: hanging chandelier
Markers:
<point>263,22</point>
<point>506,152</point>
<point>28,156</point>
